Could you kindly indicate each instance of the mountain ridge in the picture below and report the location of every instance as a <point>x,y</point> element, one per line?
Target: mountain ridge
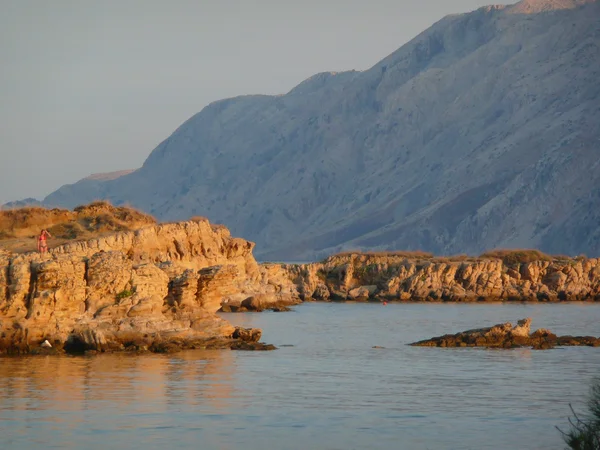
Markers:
<point>441,146</point>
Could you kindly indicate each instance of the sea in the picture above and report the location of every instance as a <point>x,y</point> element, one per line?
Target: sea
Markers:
<point>343,377</point>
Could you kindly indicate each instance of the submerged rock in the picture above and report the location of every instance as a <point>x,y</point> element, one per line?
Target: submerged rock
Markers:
<point>504,335</point>
<point>252,346</point>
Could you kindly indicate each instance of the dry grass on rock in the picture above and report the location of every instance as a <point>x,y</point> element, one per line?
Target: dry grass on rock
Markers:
<point>417,254</point>
<point>509,257</point>
<point>19,228</point>
<point>517,256</point>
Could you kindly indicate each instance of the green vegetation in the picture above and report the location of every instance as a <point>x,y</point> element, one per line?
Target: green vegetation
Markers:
<point>584,431</point>
<point>126,293</point>
<point>322,275</point>
<point>362,271</point>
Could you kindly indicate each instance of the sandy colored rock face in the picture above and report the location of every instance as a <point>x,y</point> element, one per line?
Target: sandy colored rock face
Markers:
<point>131,288</point>
<point>355,276</point>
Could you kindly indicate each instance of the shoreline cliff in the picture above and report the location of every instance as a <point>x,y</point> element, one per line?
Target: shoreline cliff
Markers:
<point>153,288</point>
<point>159,287</point>
<point>391,277</point>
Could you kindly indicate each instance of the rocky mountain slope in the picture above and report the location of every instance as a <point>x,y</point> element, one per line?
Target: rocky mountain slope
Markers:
<point>482,132</point>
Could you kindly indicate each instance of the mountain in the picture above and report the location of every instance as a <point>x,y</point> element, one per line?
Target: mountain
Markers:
<point>482,132</point>
<point>29,201</point>
<point>93,186</point>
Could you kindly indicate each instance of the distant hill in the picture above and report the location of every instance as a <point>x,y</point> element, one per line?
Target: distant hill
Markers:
<point>482,132</point>
<point>107,176</point>
<point>30,201</point>
<point>88,189</point>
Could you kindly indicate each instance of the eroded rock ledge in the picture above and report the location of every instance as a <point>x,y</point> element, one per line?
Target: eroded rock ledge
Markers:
<point>156,288</point>
<point>364,277</point>
<point>504,335</point>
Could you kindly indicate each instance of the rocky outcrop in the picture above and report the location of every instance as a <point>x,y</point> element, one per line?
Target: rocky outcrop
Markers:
<point>154,288</point>
<point>278,291</point>
<point>504,335</point>
<point>381,277</point>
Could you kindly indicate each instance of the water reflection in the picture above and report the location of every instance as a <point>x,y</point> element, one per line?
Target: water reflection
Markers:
<point>66,400</point>
<point>330,389</point>
<point>75,383</point>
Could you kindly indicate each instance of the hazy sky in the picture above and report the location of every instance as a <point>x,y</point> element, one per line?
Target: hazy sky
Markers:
<point>91,86</point>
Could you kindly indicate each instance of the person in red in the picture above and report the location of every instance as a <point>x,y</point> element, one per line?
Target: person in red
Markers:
<point>42,244</point>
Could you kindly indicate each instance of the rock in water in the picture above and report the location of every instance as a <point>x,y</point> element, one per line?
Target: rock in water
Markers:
<point>247,334</point>
<point>504,335</point>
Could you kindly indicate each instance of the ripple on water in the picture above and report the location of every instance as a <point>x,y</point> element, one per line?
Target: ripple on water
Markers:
<point>326,386</point>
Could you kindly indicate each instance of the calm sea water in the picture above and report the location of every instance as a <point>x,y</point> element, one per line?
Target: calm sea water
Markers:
<point>325,388</point>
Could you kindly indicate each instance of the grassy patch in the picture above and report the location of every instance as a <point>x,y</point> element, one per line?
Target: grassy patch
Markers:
<point>21,226</point>
<point>126,293</point>
<point>321,275</point>
<point>517,256</point>
<point>417,254</point>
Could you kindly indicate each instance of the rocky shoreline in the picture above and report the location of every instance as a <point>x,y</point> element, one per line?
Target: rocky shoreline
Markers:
<point>91,343</point>
<point>158,288</point>
<point>383,277</point>
<point>504,335</point>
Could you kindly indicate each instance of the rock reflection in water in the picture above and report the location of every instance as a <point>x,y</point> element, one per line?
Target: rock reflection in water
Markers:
<point>329,389</point>
<point>58,393</point>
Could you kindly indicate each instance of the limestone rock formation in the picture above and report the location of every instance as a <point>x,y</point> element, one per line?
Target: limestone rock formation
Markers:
<point>380,277</point>
<point>277,292</point>
<point>157,288</point>
<point>482,132</point>
<point>504,335</point>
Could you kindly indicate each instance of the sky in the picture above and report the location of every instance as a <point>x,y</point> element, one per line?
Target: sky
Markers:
<point>92,86</point>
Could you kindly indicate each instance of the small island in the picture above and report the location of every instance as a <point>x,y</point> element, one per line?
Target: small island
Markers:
<point>504,335</point>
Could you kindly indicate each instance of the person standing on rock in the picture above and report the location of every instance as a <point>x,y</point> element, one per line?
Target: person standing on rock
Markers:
<point>42,243</point>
